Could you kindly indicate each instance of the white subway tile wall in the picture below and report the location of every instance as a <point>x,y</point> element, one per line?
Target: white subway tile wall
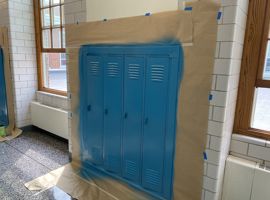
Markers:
<point>18,17</point>
<point>249,148</point>
<point>229,48</point>
<point>52,99</point>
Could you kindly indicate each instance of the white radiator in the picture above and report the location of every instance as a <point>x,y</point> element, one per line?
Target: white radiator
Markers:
<point>246,180</point>
<point>54,120</point>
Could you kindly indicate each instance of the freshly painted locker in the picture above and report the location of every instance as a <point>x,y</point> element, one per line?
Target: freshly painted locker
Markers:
<point>132,123</point>
<point>113,87</point>
<point>157,78</point>
<point>94,134</point>
<point>3,97</point>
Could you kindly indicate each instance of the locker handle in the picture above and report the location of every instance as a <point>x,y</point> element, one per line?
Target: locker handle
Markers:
<point>125,115</point>
<point>89,108</point>
<point>146,120</point>
<point>106,111</point>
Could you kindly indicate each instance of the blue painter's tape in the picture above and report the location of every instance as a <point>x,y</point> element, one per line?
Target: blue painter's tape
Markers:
<point>147,14</point>
<point>104,20</point>
<point>219,15</point>
<point>205,156</point>
<point>188,8</point>
<point>70,114</point>
<point>77,23</point>
<point>69,96</point>
<point>11,77</point>
<point>210,97</point>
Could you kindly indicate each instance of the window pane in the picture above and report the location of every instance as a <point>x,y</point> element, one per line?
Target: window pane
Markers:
<point>56,16</point>
<point>56,38</point>
<point>261,110</point>
<point>44,3</point>
<point>45,13</point>
<point>46,37</point>
<point>63,15</point>
<point>55,2</point>
<point>64,37</point>
<point>54,71</point>
<point>266,71</point>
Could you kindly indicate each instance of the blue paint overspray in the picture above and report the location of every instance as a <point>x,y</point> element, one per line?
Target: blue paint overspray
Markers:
<point>3,96</point>
<point>84,107</point>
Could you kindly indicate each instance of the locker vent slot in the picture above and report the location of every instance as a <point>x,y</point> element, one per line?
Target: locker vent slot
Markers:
<point>131,167</point>
<point>112,160</point>
<point>94,68</point>
<point>113,70</point>
<point>152,177</point>
<point>95,153</point>
<point>157,73</point>
<point>134,71</point>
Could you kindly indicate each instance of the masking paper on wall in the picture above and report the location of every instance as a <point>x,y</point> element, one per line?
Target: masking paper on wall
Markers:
<point>197,27</point>
<point>10,129</point>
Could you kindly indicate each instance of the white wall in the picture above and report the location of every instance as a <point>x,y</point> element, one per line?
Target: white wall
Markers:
<point>18,16</point>
<point>230,40</point>
<point>108,9</point>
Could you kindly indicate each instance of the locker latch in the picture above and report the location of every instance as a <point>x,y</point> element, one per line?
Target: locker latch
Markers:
<point>125,115</point>
<point>146,120</point>
<point>88,108</point>
<point>106,111</point>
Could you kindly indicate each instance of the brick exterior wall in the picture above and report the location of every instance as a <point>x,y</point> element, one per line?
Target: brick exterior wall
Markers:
<point>54,61</point>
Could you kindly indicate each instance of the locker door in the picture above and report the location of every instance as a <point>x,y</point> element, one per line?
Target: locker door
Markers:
<point>113,83</point>
<point>132,127</point>
<point>94,135</point>
<point>3,98</point>
<point>157,73</point>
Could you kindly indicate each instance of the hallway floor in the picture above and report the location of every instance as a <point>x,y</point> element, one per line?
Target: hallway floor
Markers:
<point>27,157</point>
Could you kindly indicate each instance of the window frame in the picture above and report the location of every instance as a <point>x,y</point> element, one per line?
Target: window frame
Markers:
<point>252,67</point>
<point>40,49</point>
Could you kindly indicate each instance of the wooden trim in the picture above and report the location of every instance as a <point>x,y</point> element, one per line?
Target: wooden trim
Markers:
<point>40,49</point>
<point>37,20</point>
<point>260,81</point>
<point>53,50</point>
<point>257,133</point>
<point>248,76</point>
<point>49,90</point>
<point>263,83</point>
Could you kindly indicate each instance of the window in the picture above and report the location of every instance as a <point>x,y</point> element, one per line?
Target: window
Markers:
<point>253,105</point>
<point>50,43</point>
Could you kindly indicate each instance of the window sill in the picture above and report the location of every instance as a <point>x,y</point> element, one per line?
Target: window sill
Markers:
<point>250,140</point>
<point>53,99</point>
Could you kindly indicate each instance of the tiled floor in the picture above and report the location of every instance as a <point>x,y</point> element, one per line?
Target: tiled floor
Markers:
<point>27,157</point>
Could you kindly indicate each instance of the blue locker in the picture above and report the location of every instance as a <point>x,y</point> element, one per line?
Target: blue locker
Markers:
<point>131,112</point>
<point>94,134</point>
<point>157,78</point>
<point>132,124</point>
<point>3,97</point>
<point>113,87</point>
